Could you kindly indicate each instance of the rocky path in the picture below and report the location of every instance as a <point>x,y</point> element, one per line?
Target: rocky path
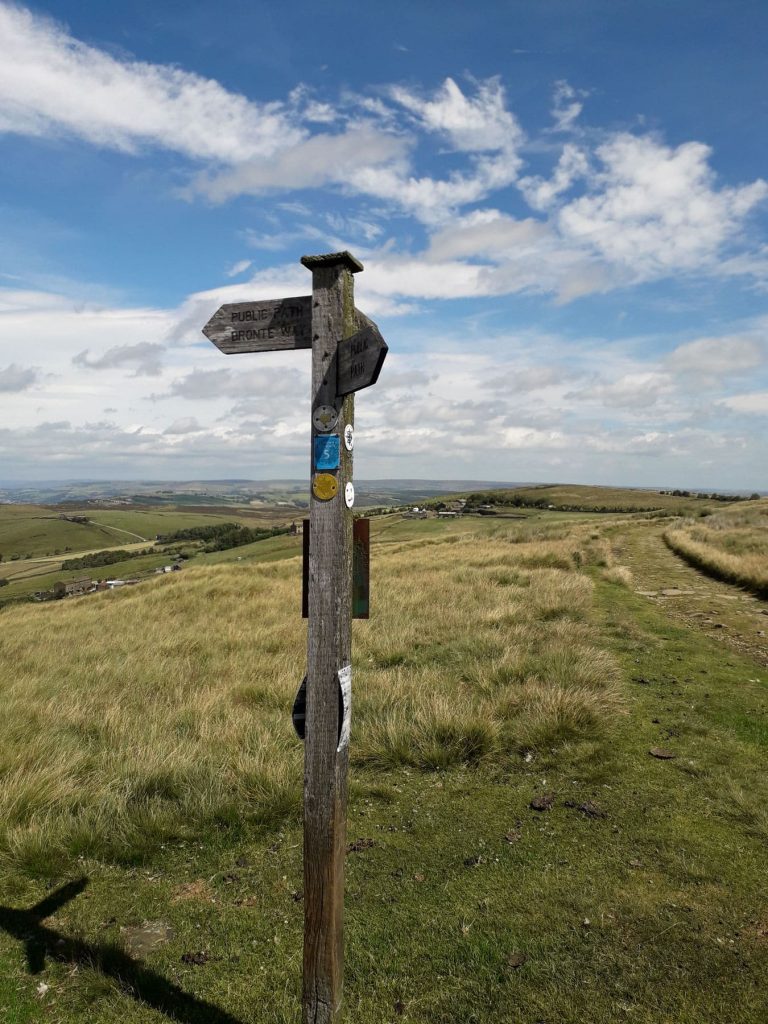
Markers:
<point>734,617</point>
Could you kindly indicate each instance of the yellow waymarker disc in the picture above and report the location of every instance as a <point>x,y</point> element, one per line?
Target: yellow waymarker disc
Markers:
<point>325,486</point>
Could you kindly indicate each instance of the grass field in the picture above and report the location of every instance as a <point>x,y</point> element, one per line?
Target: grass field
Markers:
<point>36,531</point>
<point>153,769</point>
<point>608,499</point>
<point>731,545</point>
<point>39,533</point>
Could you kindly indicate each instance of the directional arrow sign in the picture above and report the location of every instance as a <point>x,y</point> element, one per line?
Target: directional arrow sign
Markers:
<point>265,326</point>
<point>359,359</point>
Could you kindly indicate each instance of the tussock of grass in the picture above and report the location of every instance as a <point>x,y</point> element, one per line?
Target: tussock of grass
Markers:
<point>731,545</point>
<point>148,715</point>
<point>620,574</point>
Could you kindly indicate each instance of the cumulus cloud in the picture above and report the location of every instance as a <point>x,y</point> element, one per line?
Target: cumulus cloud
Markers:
<point>540,193</point>
<point>755,402</point>
<point>718,357</point>
<point>18,378</point>
<point>145,358</point>
<point>184,425</point>
<point>639,390</point>
<point>267,386</point>
<point>479,125</point>
<point>530,378</point>
<point>652,208</point>
<point>534,439</point>
<point>472,124</point>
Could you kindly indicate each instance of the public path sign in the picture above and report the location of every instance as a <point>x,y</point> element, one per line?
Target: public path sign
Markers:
<point>360,360</point>
<point>347,355</point>
<point>266,326</point>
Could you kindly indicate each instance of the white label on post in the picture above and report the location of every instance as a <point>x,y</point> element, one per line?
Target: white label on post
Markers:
<point>345,708</point>
<point>349,437</point>
<point>349,494</point>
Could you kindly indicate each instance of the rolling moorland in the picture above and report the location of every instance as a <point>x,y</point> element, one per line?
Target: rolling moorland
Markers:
<point>558,788</point>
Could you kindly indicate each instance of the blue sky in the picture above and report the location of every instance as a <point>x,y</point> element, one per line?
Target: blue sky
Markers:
<point>561,209</point>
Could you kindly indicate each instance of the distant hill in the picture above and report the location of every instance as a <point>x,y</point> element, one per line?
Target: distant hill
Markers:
<point>394,491</point>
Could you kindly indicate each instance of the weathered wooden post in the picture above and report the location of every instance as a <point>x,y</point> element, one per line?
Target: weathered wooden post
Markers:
<point>329,641</point>
<point>347,355</point>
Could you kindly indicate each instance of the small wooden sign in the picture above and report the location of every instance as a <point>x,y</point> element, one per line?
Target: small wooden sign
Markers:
<point>361,569</point>
<point>267,326</point>
<point>305,571</point>
<point>359,360</point>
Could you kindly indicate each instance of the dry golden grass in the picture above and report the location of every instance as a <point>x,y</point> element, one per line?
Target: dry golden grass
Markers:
<point>620,574</point>
<point>134,717</point>
<point>731,545</point>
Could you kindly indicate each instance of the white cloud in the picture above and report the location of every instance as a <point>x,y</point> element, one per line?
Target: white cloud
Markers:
<point>566,106</point>
<point>145,358</point>
<point>18,378</point>
<point>718,357</point>
<point>310,163</point>
<point>653,209</point>
<point>270,388</point>
<point>755,402</point>
<point>478,125</point>
<point>638,390</point>
<point>239,268</point>
<point>532,438</point>
<point>645,210</point>
<point>50,83</point>
<point>183,425</point>
<point>486,233</point>
<point>472,124</point>
<point>540,193</point>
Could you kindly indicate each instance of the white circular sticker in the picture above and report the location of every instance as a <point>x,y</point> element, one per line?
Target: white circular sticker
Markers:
<point>349,437</point>
<point>349,494</point>
<point>324,418</point>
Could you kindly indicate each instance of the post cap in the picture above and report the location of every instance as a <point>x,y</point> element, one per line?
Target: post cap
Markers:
<point>332,259</point>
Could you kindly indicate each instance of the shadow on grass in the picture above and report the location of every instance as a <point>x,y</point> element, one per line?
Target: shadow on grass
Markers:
<point>132,978</point>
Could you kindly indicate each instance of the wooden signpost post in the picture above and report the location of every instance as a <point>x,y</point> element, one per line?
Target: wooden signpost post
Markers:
<point>347,355</point>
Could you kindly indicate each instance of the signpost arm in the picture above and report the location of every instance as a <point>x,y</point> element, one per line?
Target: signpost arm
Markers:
<point>326,760</point>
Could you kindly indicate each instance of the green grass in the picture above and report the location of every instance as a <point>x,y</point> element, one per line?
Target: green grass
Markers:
<point>656,912</point>
<point>40,532</point>
<point>37,531</point>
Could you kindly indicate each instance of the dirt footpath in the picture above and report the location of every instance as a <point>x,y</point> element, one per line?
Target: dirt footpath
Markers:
<point>734,617</point>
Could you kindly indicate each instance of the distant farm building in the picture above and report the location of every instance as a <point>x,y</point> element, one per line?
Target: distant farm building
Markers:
<point>72,588</point>
<point>73,519</point>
